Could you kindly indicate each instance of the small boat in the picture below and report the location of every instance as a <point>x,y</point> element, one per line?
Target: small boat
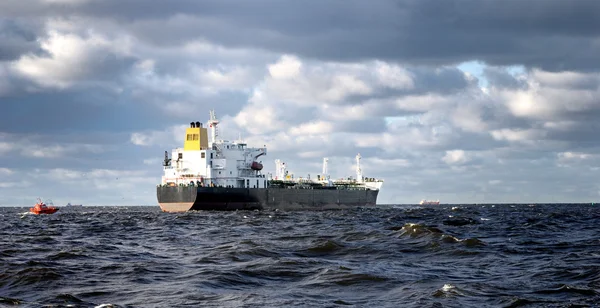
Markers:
<point>41,208</point>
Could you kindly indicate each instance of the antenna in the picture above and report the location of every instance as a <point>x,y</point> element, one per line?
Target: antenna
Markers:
<point>280,171</point>
<point>359,177</point>
<point>325,171</point>
<point>213,122</point>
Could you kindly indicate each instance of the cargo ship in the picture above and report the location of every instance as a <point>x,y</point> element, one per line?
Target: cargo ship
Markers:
<point>227,175</point>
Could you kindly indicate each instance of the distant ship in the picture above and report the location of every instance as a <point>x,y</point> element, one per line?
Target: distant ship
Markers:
<point>426,202</point>
<point>69,204</point>
<point>224,175</point>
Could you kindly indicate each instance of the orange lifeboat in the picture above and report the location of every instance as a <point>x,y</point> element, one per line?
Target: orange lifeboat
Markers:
<point>256,166</point>
<point>42,208</point>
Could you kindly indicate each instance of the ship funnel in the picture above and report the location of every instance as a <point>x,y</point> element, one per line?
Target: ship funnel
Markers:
<point>192,125</point>
<point>198,125</point>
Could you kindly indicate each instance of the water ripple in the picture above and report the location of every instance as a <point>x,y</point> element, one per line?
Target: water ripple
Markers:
<point>389,256</point>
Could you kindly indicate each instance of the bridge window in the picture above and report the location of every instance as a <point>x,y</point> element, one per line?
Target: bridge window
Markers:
<point>180,156</point>
<point>202,155</point>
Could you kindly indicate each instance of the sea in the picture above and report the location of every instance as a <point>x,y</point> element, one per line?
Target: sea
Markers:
<point>471,255</point>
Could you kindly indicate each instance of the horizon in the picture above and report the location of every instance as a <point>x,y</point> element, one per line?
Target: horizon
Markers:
<point>367,207</point>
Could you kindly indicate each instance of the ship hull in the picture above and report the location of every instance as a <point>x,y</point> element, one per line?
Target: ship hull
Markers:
<point>186,198</point>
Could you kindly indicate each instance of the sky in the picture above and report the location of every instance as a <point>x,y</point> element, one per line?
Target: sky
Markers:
<point>465,101</point>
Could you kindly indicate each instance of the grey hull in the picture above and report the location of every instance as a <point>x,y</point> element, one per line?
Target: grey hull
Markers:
<point>185,198</point>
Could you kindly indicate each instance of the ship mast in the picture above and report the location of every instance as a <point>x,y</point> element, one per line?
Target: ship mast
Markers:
<point>359,176</point>
<point>279,170</point>
<point>213,122</point>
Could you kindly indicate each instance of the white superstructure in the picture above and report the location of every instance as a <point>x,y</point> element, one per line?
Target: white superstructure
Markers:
<point>218,163</point>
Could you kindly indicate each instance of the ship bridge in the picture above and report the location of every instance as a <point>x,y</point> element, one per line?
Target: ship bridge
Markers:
<point>219,163</point>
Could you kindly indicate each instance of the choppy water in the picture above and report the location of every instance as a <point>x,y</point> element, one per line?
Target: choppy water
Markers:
<point>391,256</point>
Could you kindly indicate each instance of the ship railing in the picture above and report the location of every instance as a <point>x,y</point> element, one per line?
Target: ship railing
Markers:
<point>195,180</point>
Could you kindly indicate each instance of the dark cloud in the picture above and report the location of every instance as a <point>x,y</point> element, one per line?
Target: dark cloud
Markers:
<point>18,37</point>
<point>543,33</point>
<point>581,135</point>
<point>501,78</point>
<point>551,34</point>
<point>84,110</point>
<point>444,80</point>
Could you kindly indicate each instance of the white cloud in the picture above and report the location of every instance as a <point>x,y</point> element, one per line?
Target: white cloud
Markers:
<point>393,76</point>
<point>52,151</point>
<point>141,139</point>
<point>71,58</point>
<point>258,119</point>
<point>6,147</point>
<point>233,78</point>
<point>469,118</point>
<point>13,184</point>
<point>99,178</point>
<point>312,84</point>
<point>518,134</point>
<point>312,128</point>
<point>352,112</point>
<point>564,79</point>
<point>421,103</point>
<point>572,159</point>
<point>152,161</point>
<point>552,96</point>
<point>34,147</point>
<point>455,157</point>
<point>5,171</point>
<point>287,67</point>
<point>171,135</point>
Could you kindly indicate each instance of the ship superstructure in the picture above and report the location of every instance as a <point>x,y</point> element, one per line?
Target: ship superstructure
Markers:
<point>227,175</point>
<point>219,163</point>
